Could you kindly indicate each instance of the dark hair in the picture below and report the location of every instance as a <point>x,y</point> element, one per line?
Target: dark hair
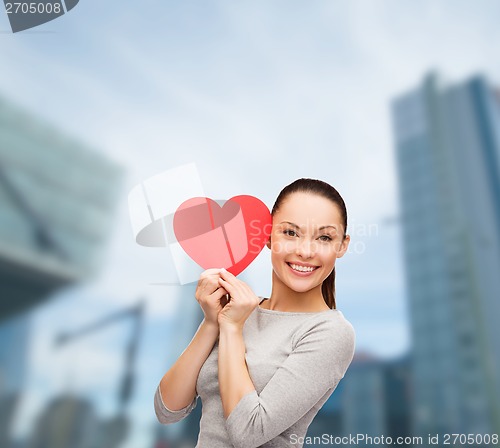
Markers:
<point>325,190</point>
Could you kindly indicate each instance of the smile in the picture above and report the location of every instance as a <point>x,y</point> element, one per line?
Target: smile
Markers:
<point>302,269</point>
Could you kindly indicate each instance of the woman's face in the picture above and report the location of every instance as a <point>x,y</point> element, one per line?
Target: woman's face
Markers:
<point>306,239</point>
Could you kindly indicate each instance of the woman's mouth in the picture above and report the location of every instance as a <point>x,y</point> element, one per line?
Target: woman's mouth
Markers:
<point>301,269</point>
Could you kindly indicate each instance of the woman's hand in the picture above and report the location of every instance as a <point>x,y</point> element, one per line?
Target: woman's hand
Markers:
<point>243,301</point>
<point>209,294</point>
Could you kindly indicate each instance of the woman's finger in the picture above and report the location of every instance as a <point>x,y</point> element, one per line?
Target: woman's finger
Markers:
<point>209,272</point>
<point>210,284</point>
<point>227,286</point>
<point>217,294</point>
<point>228,277</point>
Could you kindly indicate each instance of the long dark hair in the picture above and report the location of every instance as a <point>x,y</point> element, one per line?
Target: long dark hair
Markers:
<point>325,190</point>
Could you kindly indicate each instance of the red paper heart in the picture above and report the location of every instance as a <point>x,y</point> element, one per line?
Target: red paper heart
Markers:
<point>223,237</point>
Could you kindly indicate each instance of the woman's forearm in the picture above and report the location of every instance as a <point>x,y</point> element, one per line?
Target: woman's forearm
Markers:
<point>178,385</point>
<point>234,379</point>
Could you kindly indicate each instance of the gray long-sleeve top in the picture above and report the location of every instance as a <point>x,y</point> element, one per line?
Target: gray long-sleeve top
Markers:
<point>295,361</point>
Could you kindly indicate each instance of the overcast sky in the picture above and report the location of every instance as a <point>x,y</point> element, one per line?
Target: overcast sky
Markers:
<point>256,94</point>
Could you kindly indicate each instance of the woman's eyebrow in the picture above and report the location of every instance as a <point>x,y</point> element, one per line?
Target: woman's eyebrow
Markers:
<point>291,223</point>
<point>326,227</point>
<point>321,228</point>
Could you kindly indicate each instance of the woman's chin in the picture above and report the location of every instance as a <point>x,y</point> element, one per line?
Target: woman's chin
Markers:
<point>297,284</point>
<point>301,286</point>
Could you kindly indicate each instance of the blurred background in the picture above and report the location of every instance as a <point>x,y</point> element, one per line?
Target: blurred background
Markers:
<point>392,102</point>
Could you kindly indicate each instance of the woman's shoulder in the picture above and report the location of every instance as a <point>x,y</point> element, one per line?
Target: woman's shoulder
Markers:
<point>338,318</point>
<point>325,327</point>
<point>334,319</point>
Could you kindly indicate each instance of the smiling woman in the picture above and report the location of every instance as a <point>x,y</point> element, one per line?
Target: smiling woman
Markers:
<point>263,368</point>
<point>321,237</point>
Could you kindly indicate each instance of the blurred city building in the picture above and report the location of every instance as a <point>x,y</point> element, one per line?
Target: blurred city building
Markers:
<point>110,432</point>
<point>376,397</point>
<point>57,198</point>
<point>448,160</point>
<point>14,338</point>
<point>364,400</point>
<point>68,420</point>
<point>398,394</point>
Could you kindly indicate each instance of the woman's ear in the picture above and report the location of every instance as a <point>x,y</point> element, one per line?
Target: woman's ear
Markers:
<point>343,247</point>
<point>268,244</point>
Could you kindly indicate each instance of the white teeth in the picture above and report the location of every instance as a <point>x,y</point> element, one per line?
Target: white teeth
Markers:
<point>296,267</point>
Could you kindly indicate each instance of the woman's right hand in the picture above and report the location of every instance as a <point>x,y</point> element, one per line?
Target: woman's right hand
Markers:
<point>210,295</point>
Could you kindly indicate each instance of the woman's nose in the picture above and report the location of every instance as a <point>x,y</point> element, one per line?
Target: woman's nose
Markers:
<point>305,248</point>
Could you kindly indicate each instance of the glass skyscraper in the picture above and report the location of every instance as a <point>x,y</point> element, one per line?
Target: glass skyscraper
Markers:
<point>447,141</point>
<point>57,198</point>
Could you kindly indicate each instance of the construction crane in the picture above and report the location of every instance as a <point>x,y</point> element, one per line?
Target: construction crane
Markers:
<point>114,431</point>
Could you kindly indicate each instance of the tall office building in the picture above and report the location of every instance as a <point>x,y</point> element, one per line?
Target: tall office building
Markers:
<point>376,397</point>
<point>14,335</point>
<point>57,198</point>
<point>14,338</point>
<point>364,398</point>
<point>448,160</point>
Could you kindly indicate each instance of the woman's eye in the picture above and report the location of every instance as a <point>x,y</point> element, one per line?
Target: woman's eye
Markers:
<point>325,238</point>
<point>289,232</point>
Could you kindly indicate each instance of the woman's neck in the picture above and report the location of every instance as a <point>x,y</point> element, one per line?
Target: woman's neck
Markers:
<point>285,299</point>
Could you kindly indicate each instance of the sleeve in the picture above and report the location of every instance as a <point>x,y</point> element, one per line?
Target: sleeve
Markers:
<point>315,366</point>
<point>167,416</point>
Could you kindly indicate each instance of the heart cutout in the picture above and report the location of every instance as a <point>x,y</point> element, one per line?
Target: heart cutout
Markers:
<point>230,236</point>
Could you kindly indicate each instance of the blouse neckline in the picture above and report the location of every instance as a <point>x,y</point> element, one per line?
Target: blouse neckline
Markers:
<point>310,313</point>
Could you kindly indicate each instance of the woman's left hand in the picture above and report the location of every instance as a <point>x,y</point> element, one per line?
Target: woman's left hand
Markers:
<point>243,301</point>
